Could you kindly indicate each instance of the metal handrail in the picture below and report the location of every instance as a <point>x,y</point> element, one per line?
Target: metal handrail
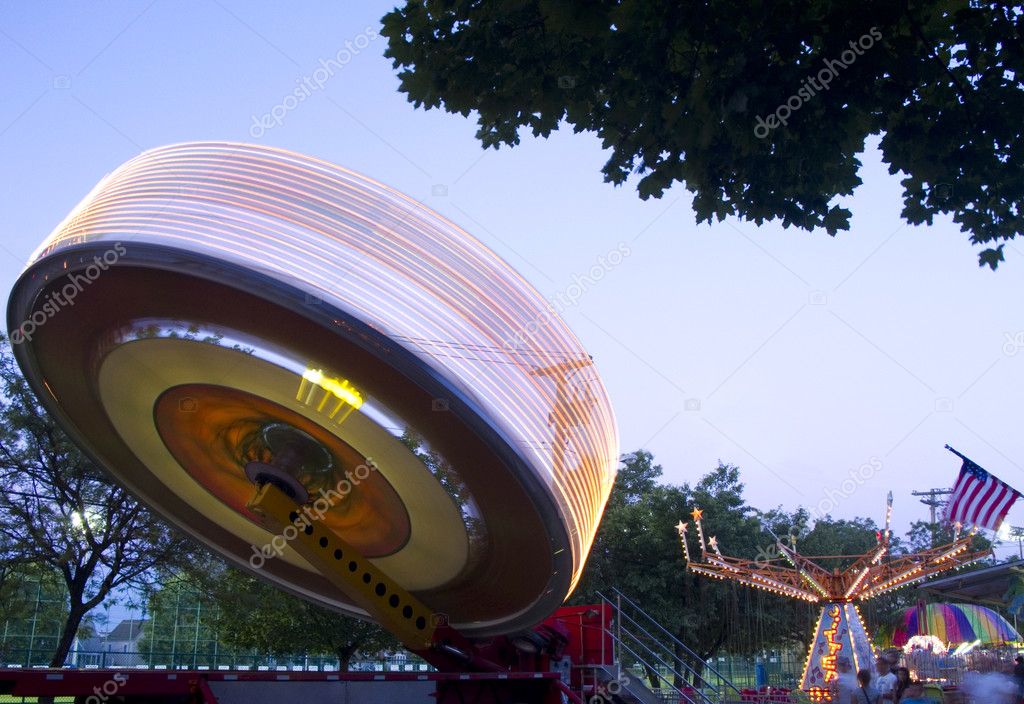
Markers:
<point>677,690</point>
<point>676,658</point>
<point>681,644</point>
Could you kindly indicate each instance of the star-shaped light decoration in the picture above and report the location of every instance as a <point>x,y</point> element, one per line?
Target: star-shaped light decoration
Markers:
<point>682,538</point>
<point>697,516</point>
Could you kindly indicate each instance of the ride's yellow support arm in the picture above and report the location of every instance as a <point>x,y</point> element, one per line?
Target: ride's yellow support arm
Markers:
<point>380,596</point>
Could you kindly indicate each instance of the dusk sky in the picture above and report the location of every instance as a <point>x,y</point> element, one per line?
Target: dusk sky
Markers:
<point>797,356</point>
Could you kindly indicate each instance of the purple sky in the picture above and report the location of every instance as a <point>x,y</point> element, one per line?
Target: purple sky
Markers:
<point>797,356</point>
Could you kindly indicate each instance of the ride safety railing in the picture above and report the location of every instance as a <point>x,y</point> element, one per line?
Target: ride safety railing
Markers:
<point>661,662</point>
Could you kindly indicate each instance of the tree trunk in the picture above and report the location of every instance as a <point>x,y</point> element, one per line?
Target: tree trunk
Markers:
<point>67,635</point>
<point>652,677</point>
<point>704,656</point>
<point>345,654</point>
<point>677,678</point>
<point>698,672</point>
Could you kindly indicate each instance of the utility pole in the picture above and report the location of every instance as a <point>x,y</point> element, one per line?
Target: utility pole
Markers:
<point>1017,533</point>
<point>930,498</point>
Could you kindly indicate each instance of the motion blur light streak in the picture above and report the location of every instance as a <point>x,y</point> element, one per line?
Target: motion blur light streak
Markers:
<point>384,303</point>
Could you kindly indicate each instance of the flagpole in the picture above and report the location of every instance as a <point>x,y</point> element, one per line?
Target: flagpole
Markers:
<point>958,454</point>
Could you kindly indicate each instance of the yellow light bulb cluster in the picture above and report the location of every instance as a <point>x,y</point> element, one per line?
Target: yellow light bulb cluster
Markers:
<point>698,515</point>
<point>860,618</point>
<point>919,572</point>
<point>828,662</point>
<point>340,390</point>
<point>774,588</point>
<point>856,582</point>
<point>950,554</point>
<point>813,582</point>
<point>681,528</point>
<point>720,562</point>
<point>899,580</point>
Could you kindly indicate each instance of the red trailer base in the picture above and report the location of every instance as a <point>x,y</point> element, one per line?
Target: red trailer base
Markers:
<point>226,687</point>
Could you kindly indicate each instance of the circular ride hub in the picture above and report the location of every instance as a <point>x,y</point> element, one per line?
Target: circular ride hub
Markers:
<point>327,383</point>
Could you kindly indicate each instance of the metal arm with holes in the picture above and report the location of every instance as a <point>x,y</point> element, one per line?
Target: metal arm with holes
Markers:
<point>388,603</point>
<point>421,630</point>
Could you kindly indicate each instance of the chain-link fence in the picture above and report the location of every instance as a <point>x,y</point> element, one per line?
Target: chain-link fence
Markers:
<point>99,659</point>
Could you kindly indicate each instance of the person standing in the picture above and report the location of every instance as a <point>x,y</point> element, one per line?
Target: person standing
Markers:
<point>845,683</point>
<point>865,694</point>
<point>885,684</point>
<point>902,683</point>
<point>893,658</point>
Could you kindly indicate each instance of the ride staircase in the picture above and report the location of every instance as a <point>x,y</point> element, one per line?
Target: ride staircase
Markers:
<point>645,653</point>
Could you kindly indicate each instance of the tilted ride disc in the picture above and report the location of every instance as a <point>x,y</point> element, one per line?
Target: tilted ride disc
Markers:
<point>214,316</point>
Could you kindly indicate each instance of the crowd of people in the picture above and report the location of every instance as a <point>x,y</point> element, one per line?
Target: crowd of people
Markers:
<point>990,682</point>
<point>887,685</point>
<point>993,681</point>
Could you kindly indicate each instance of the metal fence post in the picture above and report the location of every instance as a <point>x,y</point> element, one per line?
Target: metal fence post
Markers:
<point>618,629</point>
<point>604,657</point>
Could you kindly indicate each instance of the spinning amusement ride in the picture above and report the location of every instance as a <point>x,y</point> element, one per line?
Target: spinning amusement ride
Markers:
<point>253,332</point>
<point>840,632</point>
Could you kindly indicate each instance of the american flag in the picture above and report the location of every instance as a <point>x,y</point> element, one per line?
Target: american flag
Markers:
<point>979,498</point>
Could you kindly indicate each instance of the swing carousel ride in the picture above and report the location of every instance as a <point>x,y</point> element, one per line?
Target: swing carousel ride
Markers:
<point>840,631</point>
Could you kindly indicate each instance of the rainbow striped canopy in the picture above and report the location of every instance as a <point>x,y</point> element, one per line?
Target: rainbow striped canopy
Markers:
<point>955,623</point>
